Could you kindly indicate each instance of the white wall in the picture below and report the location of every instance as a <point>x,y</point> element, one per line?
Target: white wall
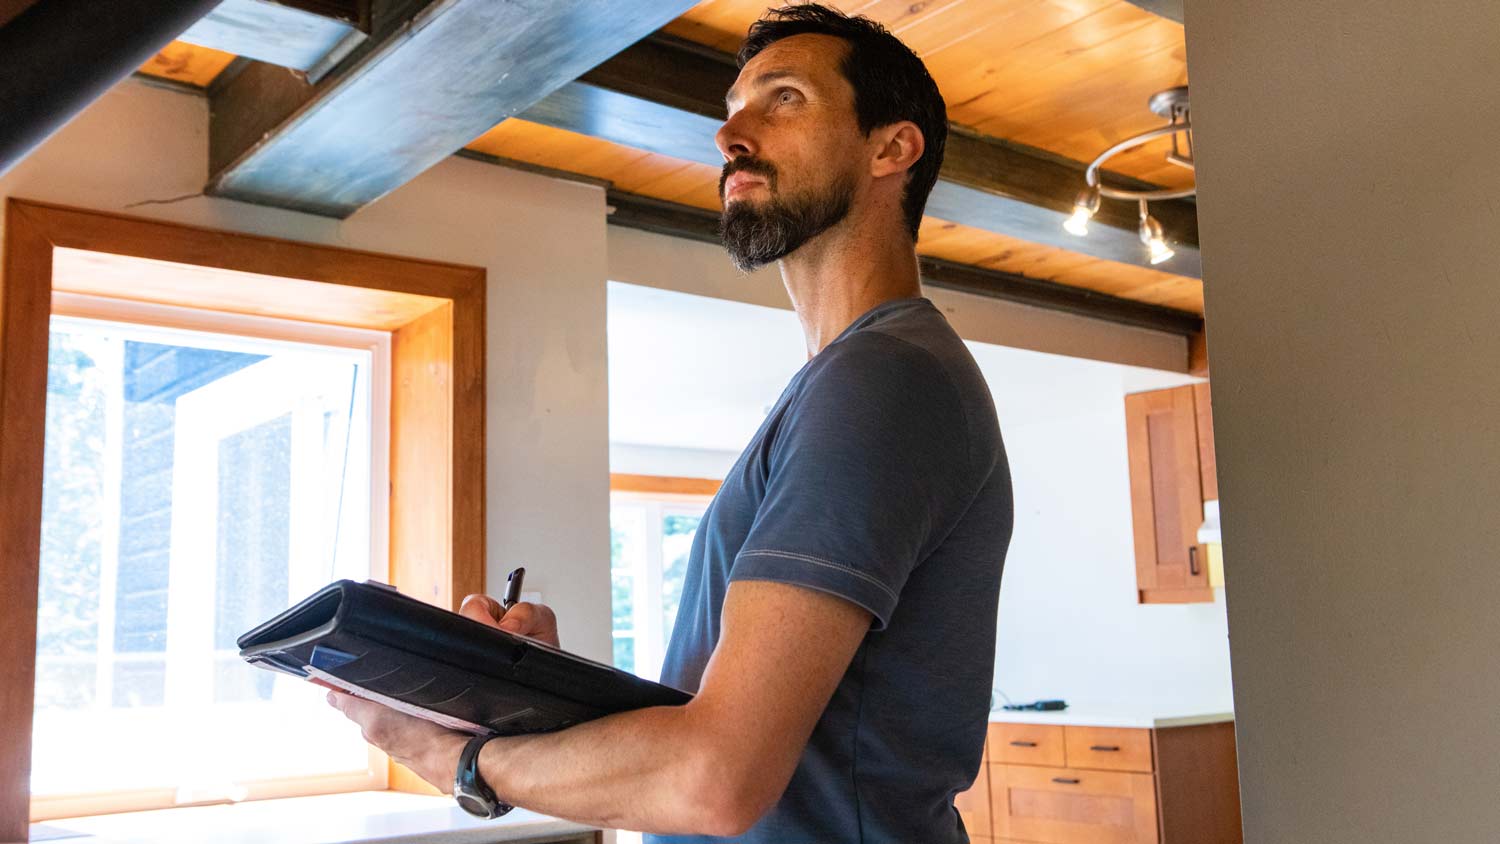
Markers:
<point>1070,626</point>
<point>674,462</point>
<point>686,368</point>
<point>1350,228</point>
<point>668,263</point>
<point>542,241</point>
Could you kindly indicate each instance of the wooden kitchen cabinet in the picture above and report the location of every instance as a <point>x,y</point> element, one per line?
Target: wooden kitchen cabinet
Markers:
<point>1110,785</point>
<point>974,806</point>
<point>1169,434</point>
<point>1072,806</point>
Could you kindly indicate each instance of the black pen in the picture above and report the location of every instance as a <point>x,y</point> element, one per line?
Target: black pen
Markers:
<point>513,588</point>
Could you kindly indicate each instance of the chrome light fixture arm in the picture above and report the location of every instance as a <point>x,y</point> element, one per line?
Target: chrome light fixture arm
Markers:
<point>1091,175</point>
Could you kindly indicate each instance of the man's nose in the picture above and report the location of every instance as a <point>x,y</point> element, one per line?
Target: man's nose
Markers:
<point>735,138</point>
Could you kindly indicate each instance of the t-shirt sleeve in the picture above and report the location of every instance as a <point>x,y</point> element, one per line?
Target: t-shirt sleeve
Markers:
<point>867,473</point>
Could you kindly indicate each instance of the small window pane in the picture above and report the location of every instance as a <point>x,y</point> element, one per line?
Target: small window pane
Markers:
<point>625,653</point>
<point>194,485</point>
<point>677,532</point>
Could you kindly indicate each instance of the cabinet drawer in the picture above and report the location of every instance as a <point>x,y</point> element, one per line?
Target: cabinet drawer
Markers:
<point>974,805</point>
<point>1027,744</point>
<point>1108,748</point>
<point>1072,806</point>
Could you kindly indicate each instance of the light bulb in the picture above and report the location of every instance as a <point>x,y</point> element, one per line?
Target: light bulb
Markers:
<point>1078,224</point>
<point>1084,208</point>
<point>1151,235</point>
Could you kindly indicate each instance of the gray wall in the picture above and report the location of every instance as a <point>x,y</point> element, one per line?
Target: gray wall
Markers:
<point>1351,238</point>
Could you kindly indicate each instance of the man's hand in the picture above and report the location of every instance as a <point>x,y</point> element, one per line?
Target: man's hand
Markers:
<point>430,751</point>
<point>532,620</point>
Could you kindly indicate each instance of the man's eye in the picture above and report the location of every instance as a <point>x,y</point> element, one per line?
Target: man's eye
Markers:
<point>786,96</point>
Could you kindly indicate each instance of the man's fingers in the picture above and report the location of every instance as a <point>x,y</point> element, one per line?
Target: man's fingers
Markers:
<point>483,609</point>
<point>520,618</point>
<point>534,620</point>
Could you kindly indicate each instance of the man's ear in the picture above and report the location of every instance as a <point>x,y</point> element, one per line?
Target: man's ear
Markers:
<point>900,146</point>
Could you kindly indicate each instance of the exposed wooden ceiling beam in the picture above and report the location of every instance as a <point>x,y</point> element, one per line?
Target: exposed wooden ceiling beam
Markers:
<point>669,218</point>
<point>409,99</point>
<point>666,95</point>
<point>57,56</point>
<point>306,35</point>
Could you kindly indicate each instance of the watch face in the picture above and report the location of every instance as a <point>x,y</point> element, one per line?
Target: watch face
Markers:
<point>474,806</point>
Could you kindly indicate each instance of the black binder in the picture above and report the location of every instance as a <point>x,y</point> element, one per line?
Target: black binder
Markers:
<point>372,641</point>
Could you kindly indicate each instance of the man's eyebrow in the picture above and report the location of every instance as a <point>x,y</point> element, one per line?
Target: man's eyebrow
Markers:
<point>766,78</point>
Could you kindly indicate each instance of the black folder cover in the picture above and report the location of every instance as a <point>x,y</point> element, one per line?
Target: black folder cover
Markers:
<point>371,640</point>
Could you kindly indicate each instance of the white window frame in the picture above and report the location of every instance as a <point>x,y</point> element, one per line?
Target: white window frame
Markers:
<point>171,324</point>
<point>648,626</point>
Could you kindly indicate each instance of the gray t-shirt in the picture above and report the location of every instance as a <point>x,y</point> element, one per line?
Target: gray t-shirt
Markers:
<point>879,476</point>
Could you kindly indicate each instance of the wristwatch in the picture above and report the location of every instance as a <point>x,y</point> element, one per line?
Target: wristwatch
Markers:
<point>469,788</point>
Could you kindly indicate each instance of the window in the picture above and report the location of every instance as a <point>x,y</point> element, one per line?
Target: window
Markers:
<point>196,483</point>
<point>432,497</point>
<point>651,539</point>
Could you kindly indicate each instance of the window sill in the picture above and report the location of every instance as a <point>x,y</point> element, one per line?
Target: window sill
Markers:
<point>388,817</point>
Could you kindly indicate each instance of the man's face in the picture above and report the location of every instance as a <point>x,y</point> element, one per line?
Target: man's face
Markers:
<point>792,150</point>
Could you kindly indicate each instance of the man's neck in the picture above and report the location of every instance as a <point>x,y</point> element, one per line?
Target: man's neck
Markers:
<point>844,272</point>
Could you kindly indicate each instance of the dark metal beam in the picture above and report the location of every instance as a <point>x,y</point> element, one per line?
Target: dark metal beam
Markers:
<point>666,95</point>
<point>307,35</point>
<point>453,72</point>
<point>668,218</point>
<point>1058,297</point>
<point>1169,9</point>
<point>57,56</point>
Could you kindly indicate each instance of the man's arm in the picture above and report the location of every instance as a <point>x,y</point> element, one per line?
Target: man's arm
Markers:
<point>713,766</point>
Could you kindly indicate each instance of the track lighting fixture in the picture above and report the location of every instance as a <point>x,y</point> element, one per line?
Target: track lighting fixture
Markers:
<point>1173,105</point>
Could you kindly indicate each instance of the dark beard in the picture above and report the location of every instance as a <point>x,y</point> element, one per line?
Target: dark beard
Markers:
<point>757,235</point>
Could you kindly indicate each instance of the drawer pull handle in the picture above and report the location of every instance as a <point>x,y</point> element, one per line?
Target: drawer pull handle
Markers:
<point>1193,560</point>
<point>1023,744</point>
<point>1066,780</point>
<point>1105,748</point>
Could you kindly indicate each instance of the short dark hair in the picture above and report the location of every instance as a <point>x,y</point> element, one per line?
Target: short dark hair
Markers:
<point>890,84</point>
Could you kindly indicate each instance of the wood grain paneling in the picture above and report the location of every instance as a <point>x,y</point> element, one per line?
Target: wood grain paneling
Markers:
<point>662,485</point>
<point>694,184</point>
<point>1069,76</point>
<point>1072,806</point>
<point>1161,434</point>
<point>1197,780</point>
<point>25,302</point>
<point>1208,464</point>
<point>974,805</point>
<point>1108,748</point>
<point>194,286</point>
<point>1026,744</point>
<point>188,64</point>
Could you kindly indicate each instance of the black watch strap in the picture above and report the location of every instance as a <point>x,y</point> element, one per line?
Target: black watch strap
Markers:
<point>469,788</point>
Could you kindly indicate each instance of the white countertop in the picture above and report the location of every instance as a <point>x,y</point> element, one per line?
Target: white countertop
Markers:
<point>1090,714</point>
<point>387,817</point>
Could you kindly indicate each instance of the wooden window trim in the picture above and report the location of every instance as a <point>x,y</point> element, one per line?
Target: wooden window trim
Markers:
<point>663,486</point>
<point>435,312</point>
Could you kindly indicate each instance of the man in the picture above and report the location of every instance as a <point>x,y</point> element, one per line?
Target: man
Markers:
<point>838,618</point>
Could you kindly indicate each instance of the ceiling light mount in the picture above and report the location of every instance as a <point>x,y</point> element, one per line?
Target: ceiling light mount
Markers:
<point>1171,104</point>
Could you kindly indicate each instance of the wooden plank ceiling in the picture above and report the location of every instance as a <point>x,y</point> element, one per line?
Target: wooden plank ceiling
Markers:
<point>1067,76</point>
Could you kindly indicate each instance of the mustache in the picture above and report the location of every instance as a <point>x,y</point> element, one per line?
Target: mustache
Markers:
<point>748,164</point>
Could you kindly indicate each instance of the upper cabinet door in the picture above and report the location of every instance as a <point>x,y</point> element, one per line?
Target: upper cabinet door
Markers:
<point>1207,465</point>
<point>1166,492</point>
